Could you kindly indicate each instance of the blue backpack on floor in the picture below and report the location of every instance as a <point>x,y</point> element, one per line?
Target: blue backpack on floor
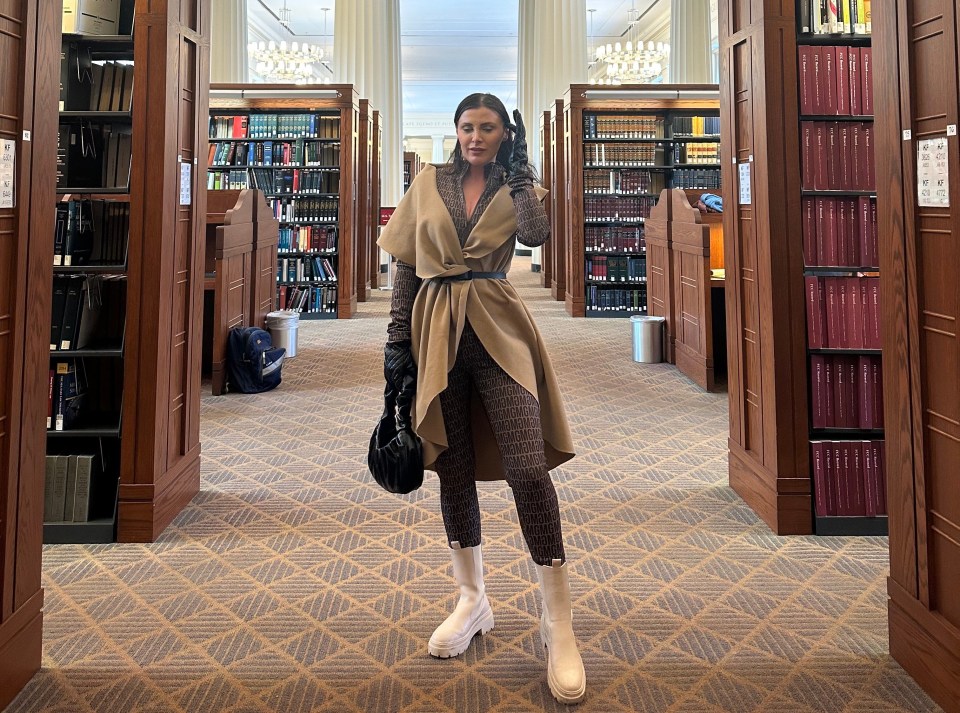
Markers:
<point>253,365</point>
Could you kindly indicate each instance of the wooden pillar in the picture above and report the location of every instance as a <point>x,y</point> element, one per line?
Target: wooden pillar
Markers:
<point>28,110</point>
<point>766,328</point>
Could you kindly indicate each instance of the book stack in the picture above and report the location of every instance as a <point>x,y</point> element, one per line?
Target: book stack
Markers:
<point>836,81</point>
<point>296,180</point>
<point>840,232</point>
<point>695,126</point>
<point>849,478</point>
<point>610,268</point>
<point>616,155</point>
<point>837,156</point>
<point>831,17</point>
<point>112,87</point>
<point>305,210</point>
<point>68,485</point>
<point>308,239</point>
<point>91,232</point>
<point>843,312</point>
<point>305,269</point>
<point>614,238</point>
<point>697,152</point>
<point>846,392</point>
<point>308,299</point>
<point>624,209</point>
<point>623,126</point>
<point>612,301</point>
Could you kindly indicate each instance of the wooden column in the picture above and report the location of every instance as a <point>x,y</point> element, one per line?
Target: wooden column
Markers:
<point>660,269</point>
<point>28,103</point>
<point>766,328</point>
<point>376,180</point>
<point>365,160</point>
<point>160,459</point>
<point>916,53</point>
<point>546,178</point>
<point>559,139</point>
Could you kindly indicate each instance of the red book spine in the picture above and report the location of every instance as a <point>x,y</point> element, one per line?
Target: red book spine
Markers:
<point>828,60</point>
<point>843,80</point>
<point>873,336</point>
<point>880,469</point>
<point>865,399</point>
<point>856,103</point>
<point>846,313</point>
<point>877,392</point>
<point>841,394</point>
<point>850,364</point>
<point>840,222</point>
<point>815,311</point>
<point>871,180</point>
<point>845,164</point>
<point>853,245</point>
<point>820,178</point>
<point>818,391</point>
<point>866,74</point>
<point>830,476</point>
<point>811,251</point>
<point>859,162</point>
<point>864,231</point>
<point>808,154</point>
<point>855,319</point>
<point>869,479</point>
<point>833,312</point>
<point>818,77</point>
<point>840,475</point>
<point>833,156</point>
<point>875,242</point>
<point>821,499</point>
<point>854,458</point>
<point>831,226</point>
<point>829,408</point>
<point>807,96</point>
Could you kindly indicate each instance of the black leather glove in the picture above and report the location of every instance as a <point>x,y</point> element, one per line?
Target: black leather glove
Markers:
<point>400,372</point>
<point>521,177</point>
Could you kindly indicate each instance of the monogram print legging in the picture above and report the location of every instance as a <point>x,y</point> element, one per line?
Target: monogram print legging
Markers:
<point>514,415</point>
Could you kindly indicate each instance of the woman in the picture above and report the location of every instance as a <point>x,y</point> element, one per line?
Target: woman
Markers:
<point>487,405</point>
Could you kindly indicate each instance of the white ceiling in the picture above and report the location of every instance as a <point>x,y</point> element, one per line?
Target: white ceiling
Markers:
<point>450,48</point>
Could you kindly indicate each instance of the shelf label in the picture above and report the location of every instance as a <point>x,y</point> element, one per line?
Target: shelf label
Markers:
<point>933,173</point>
<point>951,129</point>
<point>186,185</point>
<point>907,134</point>
<point>745,196</point>
<point>8,169</point>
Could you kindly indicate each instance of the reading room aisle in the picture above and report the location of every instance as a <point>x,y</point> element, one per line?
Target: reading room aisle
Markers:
<point>293,583</point>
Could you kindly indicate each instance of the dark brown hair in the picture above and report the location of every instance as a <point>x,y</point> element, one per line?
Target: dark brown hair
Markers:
<point>488,101</point>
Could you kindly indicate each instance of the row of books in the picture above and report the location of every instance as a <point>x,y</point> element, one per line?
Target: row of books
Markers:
<point>93,155</point>
<point>843,312</point>
<point>91,232</point>
<point>628,209</point>
<point>305,269</point>
<point>619,126</point>
<point>696,178</point>
<point>848,478</point>
<point>616,268</point>
<point>68,486</point>
<point>836,80</point>
<point>112,88</point>
<point>846,391</point>
<point>233,179</point>
<point>837,156</point>
<point>308,238</point>
<point>79,309</point>
<point>65,395</point>
<point>829,17</point>
<point>840,232</point>
<point>623,155</point>
<point>310,299</point>
<point>699,152</point>
<point>270,126</point>
<point>296,180</point>
<point>273,153</point>
<point>696,126</point>
<point>614,238</point>
<point>623,181</point>
<point>315,210</point>
<point>603,299</point>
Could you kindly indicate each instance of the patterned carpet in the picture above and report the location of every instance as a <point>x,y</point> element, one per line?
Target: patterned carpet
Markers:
<point>293,584</point>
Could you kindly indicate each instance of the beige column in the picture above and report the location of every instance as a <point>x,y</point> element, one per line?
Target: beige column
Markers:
<point>228,41</point>
<point>552,55</point>
<point>689,42</point>
<point>366,53</point>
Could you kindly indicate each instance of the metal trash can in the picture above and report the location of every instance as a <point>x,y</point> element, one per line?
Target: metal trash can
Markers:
<point>284,327</point>
<point>647,338</point>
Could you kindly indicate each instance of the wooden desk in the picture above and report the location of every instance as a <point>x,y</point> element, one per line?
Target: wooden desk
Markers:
<point>240,266</point>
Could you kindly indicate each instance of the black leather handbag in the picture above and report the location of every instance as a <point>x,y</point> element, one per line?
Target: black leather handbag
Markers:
<point>395,455</point>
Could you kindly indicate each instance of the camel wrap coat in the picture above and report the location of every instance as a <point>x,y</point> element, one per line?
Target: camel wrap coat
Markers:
<point>421,233</point>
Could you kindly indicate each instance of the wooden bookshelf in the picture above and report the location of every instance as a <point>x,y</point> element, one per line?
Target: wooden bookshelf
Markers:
<point>376,182</point>
<point>558,211</point>
<point>789,414</point>
<point>546,177</point>
<point>367,217</point>
<point>915,52</point>
<point>623,145</point>
<point>411,167</point>
<point>319,126</point>
<point>28,103</point>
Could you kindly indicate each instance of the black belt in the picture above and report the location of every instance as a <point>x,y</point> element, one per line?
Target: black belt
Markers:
<point>474,275</point>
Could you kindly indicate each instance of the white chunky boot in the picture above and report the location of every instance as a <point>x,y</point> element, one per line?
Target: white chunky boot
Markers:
<point>473,614</point>
<point>565,674</point>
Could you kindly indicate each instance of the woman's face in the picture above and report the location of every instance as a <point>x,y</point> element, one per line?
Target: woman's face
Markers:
<point>480,132</point>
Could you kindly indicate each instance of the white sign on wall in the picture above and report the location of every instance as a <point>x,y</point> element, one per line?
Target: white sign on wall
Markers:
<point>933,173</point>
<point>745,196</point>
<point>8,169</point>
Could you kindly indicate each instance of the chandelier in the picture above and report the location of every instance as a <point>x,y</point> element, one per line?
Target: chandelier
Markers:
<point>629,64</point>
<point>285,63</point>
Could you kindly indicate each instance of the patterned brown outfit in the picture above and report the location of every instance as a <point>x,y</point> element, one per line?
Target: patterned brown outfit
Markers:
<point>513,412</point>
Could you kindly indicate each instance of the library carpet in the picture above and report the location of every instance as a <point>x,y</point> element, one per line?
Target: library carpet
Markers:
<point>292,583</point>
